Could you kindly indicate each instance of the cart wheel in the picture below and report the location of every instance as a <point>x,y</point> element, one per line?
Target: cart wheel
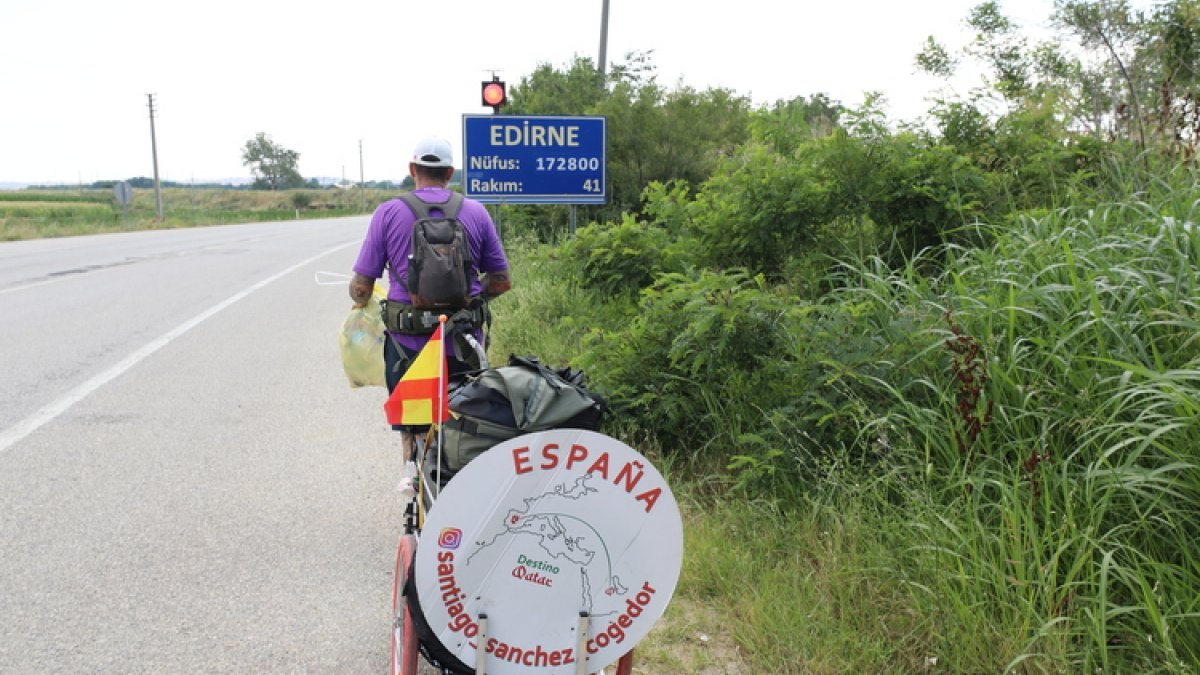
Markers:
<point>625,664</point>
<point>405,652</point>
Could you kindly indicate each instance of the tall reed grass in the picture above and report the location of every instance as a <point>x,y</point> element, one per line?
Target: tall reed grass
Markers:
<point>989,469</point>
<point>1049,490</point>
<point>993,467</point>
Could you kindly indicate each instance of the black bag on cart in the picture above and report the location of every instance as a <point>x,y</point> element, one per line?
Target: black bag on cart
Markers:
<point>523,397</point>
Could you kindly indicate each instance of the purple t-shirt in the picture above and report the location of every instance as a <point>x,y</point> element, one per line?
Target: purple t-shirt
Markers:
<point>389,241</point>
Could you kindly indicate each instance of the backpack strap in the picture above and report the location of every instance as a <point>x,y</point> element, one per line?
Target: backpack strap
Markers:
<point>423,209</point>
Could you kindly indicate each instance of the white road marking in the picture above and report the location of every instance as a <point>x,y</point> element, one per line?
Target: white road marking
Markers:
<point>30,424</point>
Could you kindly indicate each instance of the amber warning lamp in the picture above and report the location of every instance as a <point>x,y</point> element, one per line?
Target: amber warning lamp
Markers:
<point>494,94</point>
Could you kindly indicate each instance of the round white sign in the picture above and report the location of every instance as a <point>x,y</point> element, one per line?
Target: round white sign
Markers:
<point>537,531</point>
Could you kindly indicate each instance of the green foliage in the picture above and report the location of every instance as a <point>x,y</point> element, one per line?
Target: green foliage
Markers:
<point>56,210</point>
<point>697,340</point>
<point>1179,25</point>
<point>759,210</point>
<point>654,134</point>
<point>619,258</point>
<point>964,126</point>
<point>668,205</point>
<point>980,428</point>
<point>935,59</point>
<point>46,196</point>
<point>763,210</point>
<point>925,192</point>
<point>1111,72</point>
<point>858,191</point>
<point>698,129</point>
<point>787,125</point>
<point>274,167</point>
<point>806,587</point>
<point>1003,48</point>
<point>1087,322</point>
<point>577,88</point>
<point>1039,513</point>
<point>546,313</point>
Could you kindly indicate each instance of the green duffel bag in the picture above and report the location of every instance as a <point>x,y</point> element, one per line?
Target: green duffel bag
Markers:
<point>464,438</point>
<point>522,397</point>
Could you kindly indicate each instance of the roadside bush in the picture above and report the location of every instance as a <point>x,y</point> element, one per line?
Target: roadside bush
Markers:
<point>758,210</point>
<point>301,200</point>
<point>704,350</point>
<point>925,194</point>
<point>619,258</point>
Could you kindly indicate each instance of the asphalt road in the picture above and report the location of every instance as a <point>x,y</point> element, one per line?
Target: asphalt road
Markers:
<point>187,482</point>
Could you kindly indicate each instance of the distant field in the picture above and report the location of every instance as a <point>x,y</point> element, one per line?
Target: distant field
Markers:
<point>73,196</point>
<point>53,210</point>
<point>36,214</point>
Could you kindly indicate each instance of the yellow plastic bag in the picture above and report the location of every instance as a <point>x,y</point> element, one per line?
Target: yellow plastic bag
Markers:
<point>361,342</point>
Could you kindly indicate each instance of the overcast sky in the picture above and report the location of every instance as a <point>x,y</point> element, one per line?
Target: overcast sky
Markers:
<point>319,77</point>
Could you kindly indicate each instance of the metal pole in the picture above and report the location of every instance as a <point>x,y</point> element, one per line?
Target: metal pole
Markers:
<point>362,183</point>
<point>158,208</point>
<point>603,38</point>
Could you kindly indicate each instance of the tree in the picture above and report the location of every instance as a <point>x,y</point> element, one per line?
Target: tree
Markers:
<point>1111,26</point>
<point>274,167</point>
<point>573,90</point>
<point>1102,85</point>
<point>1176,51</point>
<point>787,125</point>
<point>653,134</point>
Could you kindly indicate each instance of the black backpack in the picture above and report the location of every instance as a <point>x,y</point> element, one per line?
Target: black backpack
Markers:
<point>439,263</point>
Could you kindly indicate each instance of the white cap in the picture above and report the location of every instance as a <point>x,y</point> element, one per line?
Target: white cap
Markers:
<point>433,152</point>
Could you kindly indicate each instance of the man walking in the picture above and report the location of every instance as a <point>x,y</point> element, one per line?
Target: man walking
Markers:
<point>389,243</point>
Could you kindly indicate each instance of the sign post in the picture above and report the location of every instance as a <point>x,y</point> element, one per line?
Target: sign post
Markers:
<point>123,194</point>
<point>517,159</point>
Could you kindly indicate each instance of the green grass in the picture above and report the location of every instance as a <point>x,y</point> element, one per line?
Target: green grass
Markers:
<point>1060,539</point>
<point>547,315</point>
<point>93,196</point>
<point>1063,540</point>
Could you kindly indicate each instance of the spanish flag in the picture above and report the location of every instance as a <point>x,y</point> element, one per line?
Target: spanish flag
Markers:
<point>421,396</point>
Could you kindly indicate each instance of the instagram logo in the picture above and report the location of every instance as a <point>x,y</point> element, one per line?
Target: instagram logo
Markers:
<point>450,537</point>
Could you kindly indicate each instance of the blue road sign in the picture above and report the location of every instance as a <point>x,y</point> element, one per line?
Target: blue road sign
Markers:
<point>517,159</point>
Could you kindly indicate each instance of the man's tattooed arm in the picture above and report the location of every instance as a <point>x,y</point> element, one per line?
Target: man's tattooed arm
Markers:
<point>496,284</point>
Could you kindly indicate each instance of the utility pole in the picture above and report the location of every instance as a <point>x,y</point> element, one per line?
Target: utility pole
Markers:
<point>603,38</point>
<point>362,184</point>
<point>158,209</point>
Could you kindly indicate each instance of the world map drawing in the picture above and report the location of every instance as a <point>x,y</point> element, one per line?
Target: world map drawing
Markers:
<point>567,549</point>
